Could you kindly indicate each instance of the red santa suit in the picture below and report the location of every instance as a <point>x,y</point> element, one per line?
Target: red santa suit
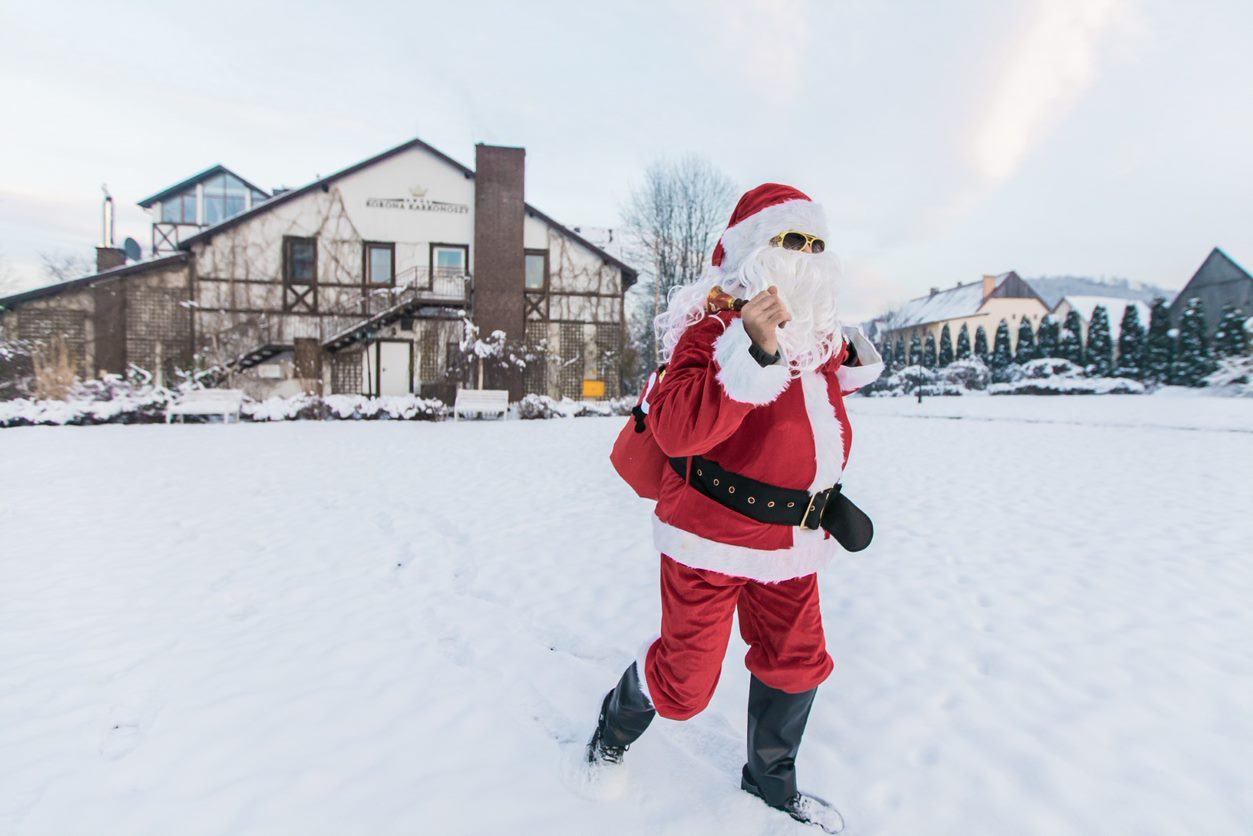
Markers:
<point>715,400</point>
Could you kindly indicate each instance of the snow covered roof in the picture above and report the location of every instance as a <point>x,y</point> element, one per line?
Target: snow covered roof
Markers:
<point>963,300</point>
<point>1114,307</point>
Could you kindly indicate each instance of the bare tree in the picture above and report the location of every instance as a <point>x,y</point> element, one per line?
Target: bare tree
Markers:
<point>10,283</point>
<point>675,216</point>
<point>62,265</point>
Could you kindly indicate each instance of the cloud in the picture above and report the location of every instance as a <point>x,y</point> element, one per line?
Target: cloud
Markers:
<point>1048,70</point>
<point>767,41</point>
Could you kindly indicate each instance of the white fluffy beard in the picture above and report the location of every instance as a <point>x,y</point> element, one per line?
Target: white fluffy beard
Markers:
<point>808,287</point>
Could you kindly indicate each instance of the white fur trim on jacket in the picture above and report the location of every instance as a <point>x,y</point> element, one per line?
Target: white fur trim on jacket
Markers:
<point>641,657</point>
<point>742,377</point>
<point>765,565</point>
<point>739,241</point>
<point>869,362</point>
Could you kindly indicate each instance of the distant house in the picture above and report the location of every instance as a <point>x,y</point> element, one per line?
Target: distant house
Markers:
<point>1218,281</point>
<point>1115,307</point>
<point>986,303</point>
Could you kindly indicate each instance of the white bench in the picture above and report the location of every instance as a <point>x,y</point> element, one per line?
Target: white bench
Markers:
<point>481,401</point>
<point>224,402</point>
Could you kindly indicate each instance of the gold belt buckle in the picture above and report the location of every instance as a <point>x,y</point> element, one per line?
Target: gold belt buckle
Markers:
<point>807,510</point>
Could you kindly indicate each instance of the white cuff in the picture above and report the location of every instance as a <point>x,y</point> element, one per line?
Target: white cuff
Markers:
<point>742,377</point>
<point>641,657</point>
<point>870,363</point>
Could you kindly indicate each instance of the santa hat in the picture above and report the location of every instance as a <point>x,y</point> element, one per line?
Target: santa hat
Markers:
<point>761,214</point>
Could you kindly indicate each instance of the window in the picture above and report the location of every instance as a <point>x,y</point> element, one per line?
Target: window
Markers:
<point>536,269</point>
<point>300,260</point>
<point>224,197</point>
<point>179,209</point>
<point>380,263</point>
<point>449,259</point>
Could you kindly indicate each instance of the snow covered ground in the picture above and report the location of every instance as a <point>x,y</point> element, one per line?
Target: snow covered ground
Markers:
<point>388,628</point>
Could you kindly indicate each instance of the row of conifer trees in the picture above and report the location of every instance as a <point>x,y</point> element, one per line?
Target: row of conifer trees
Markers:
<point>1156,354</point>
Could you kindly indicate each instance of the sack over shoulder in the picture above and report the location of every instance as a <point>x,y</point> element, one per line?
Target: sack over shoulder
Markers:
<point>636,455</point>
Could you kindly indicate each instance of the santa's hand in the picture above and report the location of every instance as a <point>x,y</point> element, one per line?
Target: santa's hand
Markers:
<point>762,314</point>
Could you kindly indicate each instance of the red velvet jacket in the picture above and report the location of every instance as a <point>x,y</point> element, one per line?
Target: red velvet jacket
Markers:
<point>715,400</point>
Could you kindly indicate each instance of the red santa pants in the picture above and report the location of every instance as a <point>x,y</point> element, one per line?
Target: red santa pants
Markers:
<point>780,622</point>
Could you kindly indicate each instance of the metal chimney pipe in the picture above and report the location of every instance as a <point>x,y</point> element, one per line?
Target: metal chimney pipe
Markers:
<point>106,232</point>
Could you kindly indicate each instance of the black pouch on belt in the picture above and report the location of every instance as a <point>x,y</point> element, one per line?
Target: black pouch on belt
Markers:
<point>847,523</point>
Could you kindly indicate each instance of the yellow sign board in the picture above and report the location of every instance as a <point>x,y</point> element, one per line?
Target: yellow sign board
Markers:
<point>593,388</point>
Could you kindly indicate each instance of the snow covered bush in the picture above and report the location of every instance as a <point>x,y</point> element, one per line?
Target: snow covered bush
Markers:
<point>17,369</point>
<point>1057,376</point>
<point>1048,367</point>
<point>971,374</point>
<point>110,400</point>
<point>346,408</point>
<point>1069,386</point>
<point>1234,376</point>
<point>535,406</point>
<point>909,380</point>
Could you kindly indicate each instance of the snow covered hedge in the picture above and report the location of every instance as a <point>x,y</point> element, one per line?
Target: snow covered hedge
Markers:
<point>541,406</point>
<point>1055,376</point>
<point>1046,376</point>
<point>117,401</point>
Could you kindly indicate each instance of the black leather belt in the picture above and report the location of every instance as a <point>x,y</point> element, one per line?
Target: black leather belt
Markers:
<point>761,501</point>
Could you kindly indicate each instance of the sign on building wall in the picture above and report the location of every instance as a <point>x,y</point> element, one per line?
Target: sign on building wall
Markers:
<point>417,204</point>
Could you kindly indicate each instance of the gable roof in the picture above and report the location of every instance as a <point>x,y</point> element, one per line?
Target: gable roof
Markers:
<point>630,273</point>
<point>961,301</point>
<point>9,302</point>
<point>1218,268</point>
<point>177,188</point>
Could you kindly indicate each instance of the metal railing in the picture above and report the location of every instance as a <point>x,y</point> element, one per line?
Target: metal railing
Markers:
<point>417,284</point>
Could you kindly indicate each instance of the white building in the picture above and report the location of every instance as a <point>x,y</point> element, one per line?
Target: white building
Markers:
<point>356,282</point>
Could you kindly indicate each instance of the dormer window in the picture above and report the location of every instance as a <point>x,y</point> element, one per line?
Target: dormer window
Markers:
<point>179,209</point>
<point>225,196</point>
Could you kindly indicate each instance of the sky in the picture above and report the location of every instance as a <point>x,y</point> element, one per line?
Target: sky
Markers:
<point>945,140</point>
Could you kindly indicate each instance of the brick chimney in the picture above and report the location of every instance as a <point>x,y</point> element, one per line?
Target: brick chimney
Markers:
<point>109,257</point>
<point>499,254</point>
<point>989,285</point>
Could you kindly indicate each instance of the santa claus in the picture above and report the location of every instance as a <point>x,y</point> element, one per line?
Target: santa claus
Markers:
<point>750,413</point>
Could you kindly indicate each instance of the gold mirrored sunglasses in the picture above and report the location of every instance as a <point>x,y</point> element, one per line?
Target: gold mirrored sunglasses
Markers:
<point>793,240</point>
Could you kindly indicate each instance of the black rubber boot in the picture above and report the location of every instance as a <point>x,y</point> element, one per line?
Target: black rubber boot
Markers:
<point>624,715</point>
<point>776,722</point>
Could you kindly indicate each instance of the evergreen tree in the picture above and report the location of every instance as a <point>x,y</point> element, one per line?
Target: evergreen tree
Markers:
<point>1100,348</point>
<point>915,350</point>
<point>946,346</point>
<point>1048,336</point>
<point>1158,345</point>
<point>928,352</point>
<point>1000,348</point>
<point>1070,347</point>
<point>900,352</point>
<point>1230,339</point>
<point>1195,359</point>
<point>1130,345</point>
<point>1026,341</point>
<point>963,343</point>
<point>981,343</point>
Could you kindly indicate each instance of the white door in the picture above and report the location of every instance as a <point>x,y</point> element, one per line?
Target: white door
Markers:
<point>394,365</point>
